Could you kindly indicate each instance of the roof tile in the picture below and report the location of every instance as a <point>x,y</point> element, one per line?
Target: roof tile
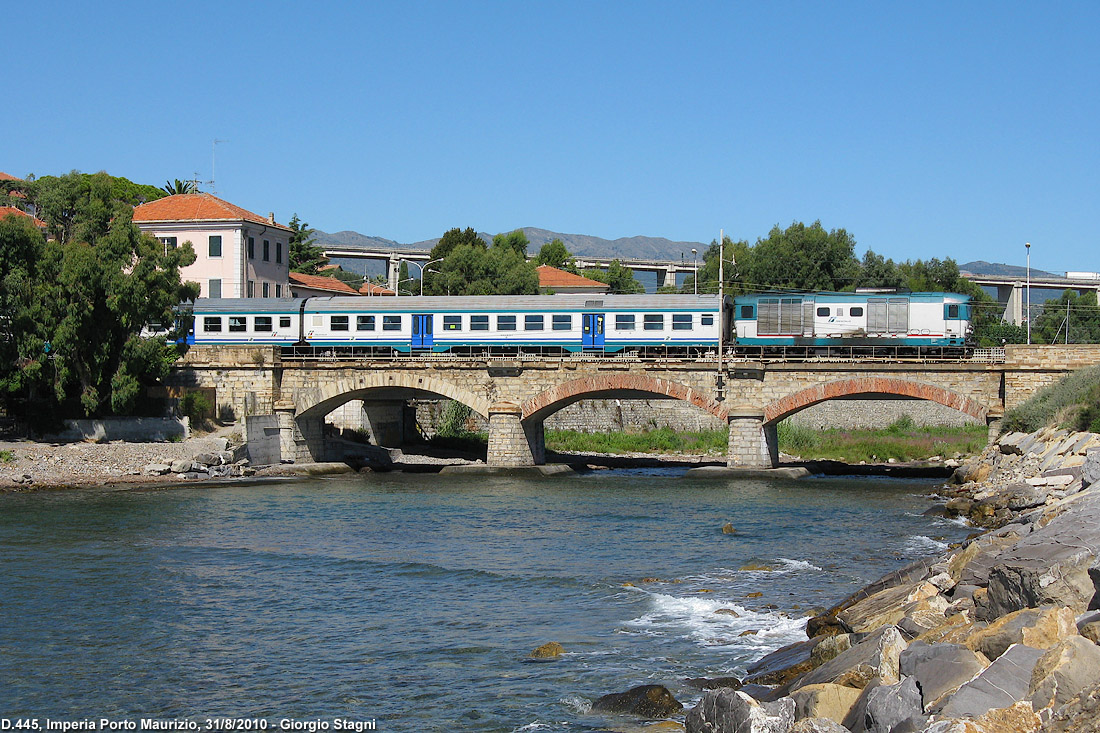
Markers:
<point>320,282</point>
<point>196,207</point>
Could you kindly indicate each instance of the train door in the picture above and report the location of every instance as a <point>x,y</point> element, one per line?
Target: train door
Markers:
<point>592,330</point>
<point>422,331</point>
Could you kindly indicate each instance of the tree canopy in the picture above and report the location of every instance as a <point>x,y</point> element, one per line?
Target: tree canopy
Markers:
<point>305,255</point>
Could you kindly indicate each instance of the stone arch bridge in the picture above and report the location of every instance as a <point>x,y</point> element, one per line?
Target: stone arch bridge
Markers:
<point>517,395</point>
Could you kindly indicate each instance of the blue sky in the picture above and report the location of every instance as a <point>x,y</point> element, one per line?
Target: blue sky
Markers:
<point>924,129</point>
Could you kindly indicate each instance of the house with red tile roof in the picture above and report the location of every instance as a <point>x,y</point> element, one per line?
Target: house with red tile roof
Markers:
<point>12,211</point>
<point>375,289</point>
<point>239,254</point>
<point>306,286</point>
<point>551,279</point>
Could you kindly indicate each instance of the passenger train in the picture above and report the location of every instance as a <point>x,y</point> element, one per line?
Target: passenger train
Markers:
<point>676,324</point>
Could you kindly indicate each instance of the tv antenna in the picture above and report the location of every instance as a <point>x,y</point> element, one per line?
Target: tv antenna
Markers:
<point>213,154</point>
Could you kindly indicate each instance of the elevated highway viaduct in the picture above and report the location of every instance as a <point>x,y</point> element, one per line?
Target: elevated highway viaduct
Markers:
<point>517,395</point>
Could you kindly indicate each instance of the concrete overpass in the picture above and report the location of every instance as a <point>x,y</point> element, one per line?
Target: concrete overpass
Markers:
<point>1012,290</point>
<point>517,394</point>
<point>665,270</point>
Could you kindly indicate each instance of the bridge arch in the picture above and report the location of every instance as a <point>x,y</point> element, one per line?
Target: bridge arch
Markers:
<point>786,406</point>
<point>544,404</point>
<point>316,402</point>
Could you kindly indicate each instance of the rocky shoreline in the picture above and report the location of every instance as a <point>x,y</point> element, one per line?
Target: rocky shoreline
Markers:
<point>998,635</point>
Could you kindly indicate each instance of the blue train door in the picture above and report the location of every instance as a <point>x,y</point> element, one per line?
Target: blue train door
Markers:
<point>592,331</point>
<point>422,331</point>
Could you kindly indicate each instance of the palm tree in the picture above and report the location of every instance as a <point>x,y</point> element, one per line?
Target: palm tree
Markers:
<point>174,187</point>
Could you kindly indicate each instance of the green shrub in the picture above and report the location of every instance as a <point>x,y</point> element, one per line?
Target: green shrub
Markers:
<point>196,407</point>
<point>452,420</point>
<point>1074,400</point>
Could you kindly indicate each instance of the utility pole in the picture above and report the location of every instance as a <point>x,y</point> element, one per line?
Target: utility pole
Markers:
<point>721,307</point>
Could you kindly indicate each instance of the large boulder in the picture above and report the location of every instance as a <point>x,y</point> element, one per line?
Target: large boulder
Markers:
<point>647,701</point>
<point>893,708</point>
<point>824,701</point>
<point>887,606</point>
<point>1064,671</point>
<point>783,664</point>
<point>1090,472</point>
<point>1002,684</point>
<point>876,657</point>
<point>725,711</point>
<point>1040,628</point>
<point>939,669</point>
<point>1079,715</point>
<point>549,650</point>
<point>818,725</point>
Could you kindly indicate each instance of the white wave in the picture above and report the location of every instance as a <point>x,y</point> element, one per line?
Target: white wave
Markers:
<point>532,726</point>
<point>580,704</point>
<point>798,564</point>
<point>919,544</point>
<point>695,619</point>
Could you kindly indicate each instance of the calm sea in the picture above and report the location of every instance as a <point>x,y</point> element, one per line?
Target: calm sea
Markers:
<point>413,601</point>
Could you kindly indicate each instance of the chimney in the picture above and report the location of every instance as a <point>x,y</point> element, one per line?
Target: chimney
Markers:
<point>271,217</point>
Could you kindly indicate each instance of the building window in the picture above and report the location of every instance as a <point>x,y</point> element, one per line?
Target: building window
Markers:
<point>214,288</point>
<point>479,323</point>
<point>654,322</point>
<point>214,248</point>
<point>562,323</point>
<point>624,322</point>
<point>339,323</point>
<point>267,251</point>
<point>364,323</point>
<point>506,323</point>
<point>681,321</point>
<point>251,248</point>
<point>237,324</point>
<point>212,324</point>
<point>278,290</point>
<point>251,289</point>
<point>267,289</point>
<point>262,323</point>
<point>169,243</point>
<point>391,323</point>
<point>284,321</point>
<point>279,252</point>
<point>532,323</point>
<point>707,319</point>
<point>452,323</point>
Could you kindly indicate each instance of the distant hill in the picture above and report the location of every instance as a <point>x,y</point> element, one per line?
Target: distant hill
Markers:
<point>981,267</point>
<point>657,248</point>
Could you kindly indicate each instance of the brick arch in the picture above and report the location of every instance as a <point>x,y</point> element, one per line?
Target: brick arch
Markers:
<point>327,396</point>
<point>791,404</point>
<point>546,403</point>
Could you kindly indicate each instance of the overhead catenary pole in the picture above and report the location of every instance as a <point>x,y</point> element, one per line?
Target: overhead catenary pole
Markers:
<point>1028,315</point>
<point>721,304</point>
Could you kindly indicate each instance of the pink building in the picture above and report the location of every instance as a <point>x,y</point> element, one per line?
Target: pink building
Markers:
<point>239,254</point>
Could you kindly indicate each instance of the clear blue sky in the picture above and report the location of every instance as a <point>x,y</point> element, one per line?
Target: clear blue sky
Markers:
<point>925,129</point>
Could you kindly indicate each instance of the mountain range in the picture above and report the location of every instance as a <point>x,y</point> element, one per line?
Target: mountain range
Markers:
<point>583,245</point>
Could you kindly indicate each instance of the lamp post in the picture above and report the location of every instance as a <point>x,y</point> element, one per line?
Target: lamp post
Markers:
<point>1027,245</point>
<point>695,268</point>
<point>422,268</point>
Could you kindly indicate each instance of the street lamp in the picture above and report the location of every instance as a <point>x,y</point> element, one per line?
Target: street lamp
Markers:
<point>695,269</point>
<point>422,268</point>
<point>1028,246</point>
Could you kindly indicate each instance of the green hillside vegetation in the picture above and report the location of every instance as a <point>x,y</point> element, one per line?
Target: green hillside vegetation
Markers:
<point>1072,403</point>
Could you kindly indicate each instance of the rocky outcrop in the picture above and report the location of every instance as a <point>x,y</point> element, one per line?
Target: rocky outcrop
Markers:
<point>647,701</point>
<point>995,636</point>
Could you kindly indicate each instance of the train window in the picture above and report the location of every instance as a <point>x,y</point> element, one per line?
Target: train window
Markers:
<point>953,310</point>
<point>284,322</point>
<point>746,311</point>
<point>211,324</point>
<point>562,323</point>
<point>532,323</point>
<point>339,323</point>
<point>856,311</point>
<point>707,319</point>
<point>654,322</point>
<point>452,323</point>
<point>823,312</point>
<point>262,323</point>
<point>681,321</point>
<point>237,324</point>
<point>364,323</point>
<point>479,323</point>
<point>506,323</point>
<point>391,323</point>
<point>624,322</point>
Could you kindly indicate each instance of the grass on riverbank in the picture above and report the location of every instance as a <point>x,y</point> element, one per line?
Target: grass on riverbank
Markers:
<point>902,441</point>
<point>1072,403</point>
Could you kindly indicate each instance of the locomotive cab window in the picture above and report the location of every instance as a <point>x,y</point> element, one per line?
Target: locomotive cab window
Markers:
<point>364,323</point>
<point>823,312</point>
<point>624,322</point>
<point>237,324</point>
<point>262,323</point>
<point>506,323</point>
<point>707,319</point>
<point>746,311</point>
<point>532,323</point>
<point>952,310</point>
<point>339,323</point>
<point>452,323</point>
<point>211,325</point>
<point>856,311</point>
<point>479,323</point>
<point>681,321</point>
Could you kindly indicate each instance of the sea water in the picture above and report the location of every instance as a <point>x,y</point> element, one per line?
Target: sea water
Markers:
<point>411,602</point>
